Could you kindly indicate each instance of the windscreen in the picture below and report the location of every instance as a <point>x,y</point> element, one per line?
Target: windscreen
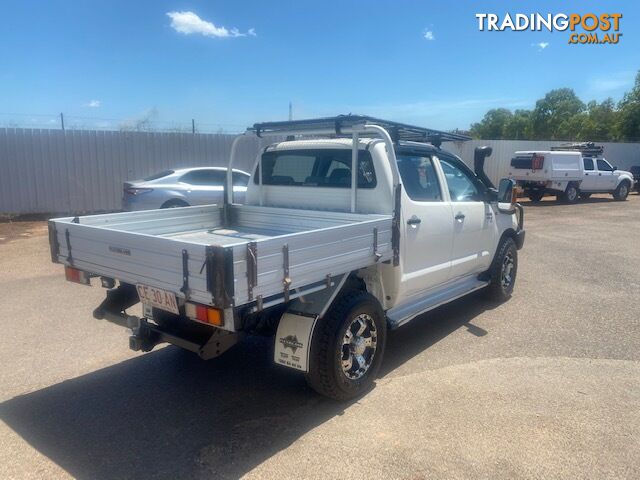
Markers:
<point>316,168</point>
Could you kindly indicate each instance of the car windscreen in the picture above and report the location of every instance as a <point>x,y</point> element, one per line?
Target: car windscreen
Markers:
<point>156,176</point>
<point>316,168</point>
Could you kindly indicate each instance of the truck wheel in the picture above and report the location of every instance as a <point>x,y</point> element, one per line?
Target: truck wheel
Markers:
<point>503,271</point>
<point>571,194</point>
<point>585,196</point>
<point>347,347</point>
<point>536,195</point>
<point>621,192</point>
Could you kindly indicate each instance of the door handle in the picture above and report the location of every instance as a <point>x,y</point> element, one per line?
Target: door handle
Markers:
<point>459,216</point>
<point>413,221</point>
<point>599,174</point>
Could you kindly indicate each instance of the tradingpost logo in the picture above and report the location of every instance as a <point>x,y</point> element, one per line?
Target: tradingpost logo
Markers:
<point>588,28</point>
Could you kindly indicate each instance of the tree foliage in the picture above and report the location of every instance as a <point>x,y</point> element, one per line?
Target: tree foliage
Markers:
<point>561,115</point>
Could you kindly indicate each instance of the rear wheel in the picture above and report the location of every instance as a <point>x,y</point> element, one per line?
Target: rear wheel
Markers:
<point>621,192</point>
<point>347,347</point>
<point>175,203</point>
<point>571,194</point>
<point>503,271</point>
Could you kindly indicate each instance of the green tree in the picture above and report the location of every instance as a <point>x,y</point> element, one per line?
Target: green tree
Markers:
<point>552,117</point>
<point>628,121</point>
<point>492,125</point>
<point>599,122</point>
<point>519,126</point>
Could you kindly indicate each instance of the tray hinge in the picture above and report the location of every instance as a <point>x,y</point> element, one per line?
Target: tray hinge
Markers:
<point>286,281</point>
<point>185,274</point>
<point>219,266</point>
<point>68,242</point>
<point>252,268</point>
<point>375,244</point>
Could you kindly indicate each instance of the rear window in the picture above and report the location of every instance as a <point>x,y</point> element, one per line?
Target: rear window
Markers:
<point>204,177</point>
<point>156,176</point>
<point>316,168</point>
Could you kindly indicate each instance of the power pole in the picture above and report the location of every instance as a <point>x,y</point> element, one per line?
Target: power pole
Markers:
<point>193,126</point>
<point>290,111</point>
<point>62,121</point>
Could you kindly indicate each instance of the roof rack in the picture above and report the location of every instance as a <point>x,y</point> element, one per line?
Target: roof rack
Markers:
<point>588,149</point>
<point>336,125</point>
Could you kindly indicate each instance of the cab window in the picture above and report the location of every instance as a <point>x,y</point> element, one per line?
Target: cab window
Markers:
<point>316,168</point>
<point>588,163</point>
<point>462,188</point>
<point>419,178</point>
<point>604,166</point>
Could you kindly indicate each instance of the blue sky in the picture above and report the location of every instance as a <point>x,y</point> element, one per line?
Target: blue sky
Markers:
<point>117,61</point>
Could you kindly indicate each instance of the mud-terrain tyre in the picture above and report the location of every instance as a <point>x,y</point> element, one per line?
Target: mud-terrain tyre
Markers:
<point>502,272</point>
<point>353,332</point>
<point>622,192</point>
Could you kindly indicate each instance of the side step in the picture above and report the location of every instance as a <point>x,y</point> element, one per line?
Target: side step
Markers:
<point>402,314</point>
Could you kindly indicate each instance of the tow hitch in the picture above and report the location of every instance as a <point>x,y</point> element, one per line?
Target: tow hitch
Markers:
<point>146,335</point>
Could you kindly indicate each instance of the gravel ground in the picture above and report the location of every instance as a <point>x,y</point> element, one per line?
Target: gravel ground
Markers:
<point>546,385</point>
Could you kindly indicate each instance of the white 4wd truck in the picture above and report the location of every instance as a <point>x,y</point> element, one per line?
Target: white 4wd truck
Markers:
<point>570,172</point>
<point>343,236</point>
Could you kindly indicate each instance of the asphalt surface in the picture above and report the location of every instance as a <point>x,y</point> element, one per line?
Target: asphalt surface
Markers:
<point>546,385</point>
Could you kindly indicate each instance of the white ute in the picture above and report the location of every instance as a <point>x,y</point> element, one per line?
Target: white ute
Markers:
<point>570,172</point>
<point>344,235</point>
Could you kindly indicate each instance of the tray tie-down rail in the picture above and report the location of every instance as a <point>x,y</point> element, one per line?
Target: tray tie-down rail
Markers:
<point>146,335</point>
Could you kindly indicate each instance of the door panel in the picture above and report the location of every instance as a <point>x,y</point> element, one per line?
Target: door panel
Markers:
<point>427,227</point>
<point>474,223</point>
<point>590,180</point>
<point>606,179</point>
<point>472,237</point>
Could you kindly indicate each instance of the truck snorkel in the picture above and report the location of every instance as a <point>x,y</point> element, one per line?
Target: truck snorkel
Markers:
<point>479,155</point>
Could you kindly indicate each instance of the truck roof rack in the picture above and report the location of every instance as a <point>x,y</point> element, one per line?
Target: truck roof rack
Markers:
<point>588,149</point>
<point>335,125</point>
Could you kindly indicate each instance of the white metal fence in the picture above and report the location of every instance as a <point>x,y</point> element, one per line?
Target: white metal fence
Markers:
<point>53,171</point>
<point>74,171</point>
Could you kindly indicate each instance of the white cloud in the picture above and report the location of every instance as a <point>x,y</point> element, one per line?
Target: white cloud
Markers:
<point>541,45</point>
<point>188,23</point>
<point>93,104</point>
<point>612,82</point>
<point>428,35</point>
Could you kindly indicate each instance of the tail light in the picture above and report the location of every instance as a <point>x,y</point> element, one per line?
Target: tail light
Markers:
<point>537,161</point>
<point>137,191</point>
<point>77,276</point>
<point>204,314</point>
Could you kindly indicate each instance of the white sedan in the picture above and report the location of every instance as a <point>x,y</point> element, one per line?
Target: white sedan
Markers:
<point>183,188</point>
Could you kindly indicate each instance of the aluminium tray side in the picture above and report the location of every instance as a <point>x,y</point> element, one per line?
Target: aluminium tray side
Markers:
<point>312,256</point>
<point>133,257</point>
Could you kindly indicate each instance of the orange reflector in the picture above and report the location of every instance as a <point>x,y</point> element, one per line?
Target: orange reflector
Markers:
<point>77,276</point>
<point>205,314</point>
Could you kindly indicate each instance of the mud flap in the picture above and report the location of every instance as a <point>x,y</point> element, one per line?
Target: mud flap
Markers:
<point>293,341</point>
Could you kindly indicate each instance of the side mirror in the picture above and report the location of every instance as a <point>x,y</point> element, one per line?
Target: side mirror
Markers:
<point>614,168</point>
<point>507,195</point>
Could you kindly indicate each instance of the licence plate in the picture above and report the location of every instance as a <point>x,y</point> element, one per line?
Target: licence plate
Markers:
<point>156,297</point>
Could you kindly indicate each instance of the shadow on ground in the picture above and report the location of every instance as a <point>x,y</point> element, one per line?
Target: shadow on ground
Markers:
<point>168,414</point>
<point>551,202</point>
